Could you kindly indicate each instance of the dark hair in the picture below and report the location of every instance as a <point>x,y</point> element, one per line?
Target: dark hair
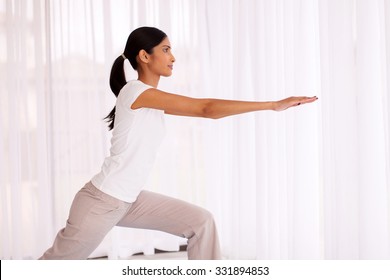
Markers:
<point>143,38</point>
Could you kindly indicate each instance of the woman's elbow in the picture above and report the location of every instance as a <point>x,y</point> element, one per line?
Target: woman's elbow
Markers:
<point>208,111</point>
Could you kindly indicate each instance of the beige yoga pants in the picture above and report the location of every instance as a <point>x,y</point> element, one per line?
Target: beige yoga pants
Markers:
<point>93,214</point>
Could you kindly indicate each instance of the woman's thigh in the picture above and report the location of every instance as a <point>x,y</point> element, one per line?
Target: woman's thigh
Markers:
<point>160,212</point>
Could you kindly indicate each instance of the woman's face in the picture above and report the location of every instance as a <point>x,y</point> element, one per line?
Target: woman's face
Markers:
<point>162,59</point>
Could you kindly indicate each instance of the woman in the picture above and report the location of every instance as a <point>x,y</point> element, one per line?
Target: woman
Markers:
<point>114,197</point>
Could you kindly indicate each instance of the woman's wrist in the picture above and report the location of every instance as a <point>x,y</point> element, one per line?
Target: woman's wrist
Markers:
<point>273,105</point>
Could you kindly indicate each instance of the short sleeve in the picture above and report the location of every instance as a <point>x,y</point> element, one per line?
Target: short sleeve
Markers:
<point>130,92</point>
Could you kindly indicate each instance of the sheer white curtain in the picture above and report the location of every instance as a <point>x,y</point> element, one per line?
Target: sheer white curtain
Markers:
<point>311,182</point>
<point>26,205</point>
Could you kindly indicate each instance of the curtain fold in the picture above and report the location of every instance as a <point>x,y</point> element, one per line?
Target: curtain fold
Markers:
<point>308,183</point>
<point>372,122</point>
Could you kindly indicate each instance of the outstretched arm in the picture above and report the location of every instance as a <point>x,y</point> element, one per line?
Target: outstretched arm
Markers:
<point>209,108</point>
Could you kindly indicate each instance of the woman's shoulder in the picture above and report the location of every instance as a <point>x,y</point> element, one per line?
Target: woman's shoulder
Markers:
<point>133,86</point>
<point>131,91</point>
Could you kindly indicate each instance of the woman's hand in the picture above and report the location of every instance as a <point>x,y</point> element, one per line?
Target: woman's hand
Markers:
<point>292,101</point>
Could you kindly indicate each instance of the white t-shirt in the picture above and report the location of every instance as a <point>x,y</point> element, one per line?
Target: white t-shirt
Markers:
<point>136,136</point>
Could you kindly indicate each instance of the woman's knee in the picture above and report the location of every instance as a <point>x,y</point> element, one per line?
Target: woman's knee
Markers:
<point>205,218</point>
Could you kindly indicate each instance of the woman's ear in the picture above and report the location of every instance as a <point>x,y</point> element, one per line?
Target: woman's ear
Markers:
<point>143,56</point>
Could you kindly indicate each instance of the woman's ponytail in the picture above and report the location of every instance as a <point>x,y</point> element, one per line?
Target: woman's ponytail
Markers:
<point>117,82</point>
<point>117,75</point>
<point>110,118</point>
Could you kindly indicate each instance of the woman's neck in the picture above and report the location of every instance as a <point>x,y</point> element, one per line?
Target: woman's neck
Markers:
<point>149,79</point>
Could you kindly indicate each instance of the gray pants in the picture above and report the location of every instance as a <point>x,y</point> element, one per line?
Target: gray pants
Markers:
<point>93,214</point>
